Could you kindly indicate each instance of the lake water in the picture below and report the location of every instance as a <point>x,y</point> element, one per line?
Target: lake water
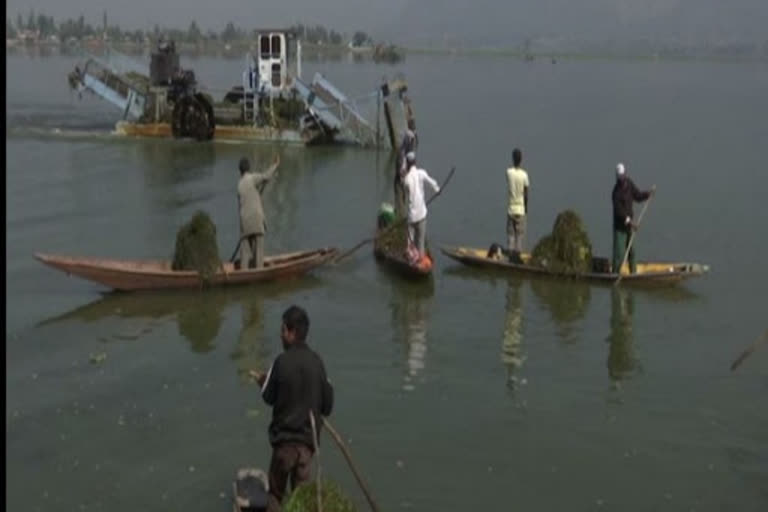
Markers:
<point>472,392</point>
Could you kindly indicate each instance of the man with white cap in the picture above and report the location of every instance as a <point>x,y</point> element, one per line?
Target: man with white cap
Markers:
<point>413,182</point>
<point>625,193</point>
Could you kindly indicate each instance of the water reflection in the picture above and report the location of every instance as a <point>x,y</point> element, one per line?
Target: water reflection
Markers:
<point>410,315</point>
<point>622,362</point>
<point>168,162</point>
<point>567,301</point>
<point>199,322</point>
<point>199,315</point>
<point>512,341</point>
<point>250,351</point>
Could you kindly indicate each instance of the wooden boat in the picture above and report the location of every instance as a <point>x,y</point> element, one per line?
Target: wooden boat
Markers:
<point>131,275</point>
<point>400,264</point>
<point>249,491</point>
<point>657,273</point>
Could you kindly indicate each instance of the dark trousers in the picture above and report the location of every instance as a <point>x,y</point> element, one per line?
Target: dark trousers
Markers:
<point>620,242</point>
<point>290,461</point>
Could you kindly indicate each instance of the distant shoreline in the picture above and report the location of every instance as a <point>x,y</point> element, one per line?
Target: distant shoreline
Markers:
<point>239,48</point>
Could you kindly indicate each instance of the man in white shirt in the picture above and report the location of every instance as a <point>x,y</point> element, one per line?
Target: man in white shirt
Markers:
<point>517,181</point>
<point>413,182</point>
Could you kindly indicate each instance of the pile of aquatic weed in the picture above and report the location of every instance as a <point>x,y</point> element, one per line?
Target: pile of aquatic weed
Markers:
<point>393,239</point>
<point>567,249</point>
<point>196,247</point>
<point>304,498</point>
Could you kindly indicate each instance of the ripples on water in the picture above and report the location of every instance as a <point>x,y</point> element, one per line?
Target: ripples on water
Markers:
<point>616,398</point>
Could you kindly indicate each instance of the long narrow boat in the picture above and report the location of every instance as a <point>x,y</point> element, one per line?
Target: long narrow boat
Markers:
<point>131,275</point>
<point>657,273</point>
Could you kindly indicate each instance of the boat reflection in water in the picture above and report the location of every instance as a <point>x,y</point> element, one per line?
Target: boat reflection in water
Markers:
<point>622,362</point>
<point>410,317</point>
<point>251,352</point>
<point>512,355</point>
<point>199,315</point>
<point>567,301</point>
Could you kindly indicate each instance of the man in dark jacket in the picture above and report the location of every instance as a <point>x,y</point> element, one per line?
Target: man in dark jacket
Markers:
<point>295,385</point>
<point>624,194</point>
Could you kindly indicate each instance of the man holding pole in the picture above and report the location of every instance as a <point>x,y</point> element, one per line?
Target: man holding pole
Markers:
<point>253,224</point>
<point>413,183</point>
<point>295,386</point>
<point>625,193</point>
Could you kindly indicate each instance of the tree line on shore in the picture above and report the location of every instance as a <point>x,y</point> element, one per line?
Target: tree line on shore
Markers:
<point>40,27</point>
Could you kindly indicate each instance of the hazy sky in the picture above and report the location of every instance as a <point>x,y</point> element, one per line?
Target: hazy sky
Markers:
<point>483,21</point>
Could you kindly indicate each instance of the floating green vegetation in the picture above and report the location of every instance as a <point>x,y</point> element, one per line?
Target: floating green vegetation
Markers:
<point>567,249</point>
<point>196,247</point>
<point>304,498</point>
<point>391,239</point>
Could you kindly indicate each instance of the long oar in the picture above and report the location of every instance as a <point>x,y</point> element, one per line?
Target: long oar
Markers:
<point>336,437</point>
<point>749,350</point>
<point>632,239</point>
<point>396,224</point>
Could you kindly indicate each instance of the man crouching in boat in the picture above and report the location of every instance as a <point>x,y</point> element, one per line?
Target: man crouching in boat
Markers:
<point>624,194</point>
<point>413,182</point>
<point>253,224</point>
<point>294,386</point>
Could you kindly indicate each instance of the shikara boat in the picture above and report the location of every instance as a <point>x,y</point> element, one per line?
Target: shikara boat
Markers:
<point>656,273</point>
<point>400,264</point>
<point>131,275</point>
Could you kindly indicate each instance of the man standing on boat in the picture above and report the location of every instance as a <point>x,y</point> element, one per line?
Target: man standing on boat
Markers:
<point>413,182</point>
<point>295,386</point>
<point>625,193</point>
<point>517,208</point>
<point>253,223</point>
<point>409,144</point>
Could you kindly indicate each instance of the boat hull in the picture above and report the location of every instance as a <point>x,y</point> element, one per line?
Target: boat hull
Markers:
<point>222,132</point>
<point>650,273</point>
<point>401,265</point>
<point>133,275</point>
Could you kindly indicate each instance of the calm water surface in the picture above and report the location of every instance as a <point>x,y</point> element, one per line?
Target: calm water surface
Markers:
<point>474,391</point>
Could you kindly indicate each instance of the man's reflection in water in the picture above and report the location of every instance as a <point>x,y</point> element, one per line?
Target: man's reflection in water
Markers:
<point>250,353</point>
<point>409,315</point>
<point>621,358</point>
<point>511,346</point>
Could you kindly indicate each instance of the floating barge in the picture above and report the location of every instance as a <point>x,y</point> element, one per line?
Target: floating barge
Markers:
<point>272,103</point>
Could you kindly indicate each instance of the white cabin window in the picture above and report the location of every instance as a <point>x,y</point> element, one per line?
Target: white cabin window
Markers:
<point>276,78</point>
<point>276,47</point>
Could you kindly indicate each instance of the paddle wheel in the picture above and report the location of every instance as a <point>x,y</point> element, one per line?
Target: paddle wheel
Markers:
<point>193,118</point>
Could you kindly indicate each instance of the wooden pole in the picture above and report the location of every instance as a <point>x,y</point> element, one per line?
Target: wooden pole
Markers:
<point>631,240</point>
<point>340,443</point>
<point>317,461</point>
<point>388,117</point>
<point>749,350</point>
